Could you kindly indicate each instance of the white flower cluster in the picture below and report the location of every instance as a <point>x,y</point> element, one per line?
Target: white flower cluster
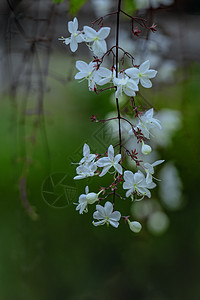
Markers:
<point>94,39</point>
<point>125,81</point>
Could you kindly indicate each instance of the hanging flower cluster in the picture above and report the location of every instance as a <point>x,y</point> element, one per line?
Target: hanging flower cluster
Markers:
<point>136,185</point>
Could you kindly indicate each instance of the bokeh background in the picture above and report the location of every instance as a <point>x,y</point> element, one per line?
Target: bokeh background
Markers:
<point>48,251</point>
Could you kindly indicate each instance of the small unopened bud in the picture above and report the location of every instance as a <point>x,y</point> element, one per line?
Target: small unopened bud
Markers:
<point>134,226</point>
<point>146,149</point>
<point>91,198</point>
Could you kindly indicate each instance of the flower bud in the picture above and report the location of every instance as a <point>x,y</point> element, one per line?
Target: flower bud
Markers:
<point>91,198</point>
<point>135,226</point>
<point>146,149</point>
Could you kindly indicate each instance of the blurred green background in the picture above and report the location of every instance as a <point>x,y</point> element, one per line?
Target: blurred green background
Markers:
<point>60,254</point>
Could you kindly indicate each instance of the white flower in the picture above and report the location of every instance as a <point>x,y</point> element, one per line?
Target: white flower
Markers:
<point>147,122</point>
<point>134,226</point>
<point>98,46</point>
<point>87,71</point>
<point>82,202</point>
<point>106,215</point>
<point>87,157</point>
<point>136,183</point>
<point>146,149</point>
<point>76,36</point>
<point>86,170</point>
<point>149,169</point>
<point>142,74</point>
<point>105,76</point>
<point>85,199</point>
<point>126,85</point>
<point>108,162</point>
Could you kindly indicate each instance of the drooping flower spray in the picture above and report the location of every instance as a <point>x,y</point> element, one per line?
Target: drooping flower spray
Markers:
<point>135,183</point>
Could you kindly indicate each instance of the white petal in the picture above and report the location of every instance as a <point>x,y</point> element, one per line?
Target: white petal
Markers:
<point>132,72</point>
<point>102,162</point>
<point>108,208</point>
<point>75,24</point>
<point>87,189</point>
<point>129,192</point>
<point>104,72</point>
<point>151,73</point>
<point>98,223</point>
<point>158,162</point>
<point>71,26</point>
<point>114,223</point>
<point>115,216</point>
<point>118,167</point>
<point>129,176</point>
<point>105,170</point>
<point>82,66</point>
<point>73,45</point>
<point>80,75</point>
<point>103,81</point>
<point>145,82</point>
<point>90,32</point>
<point>101,210</point>
<point>127,185</point>
<point>67,41</point>
<point>97,215</point>
<point>86,150</point>
<point>117,158</point>
<point>144,66</point>
<point>79,177</point>
<point>103,33</point>
<point>111,152</point>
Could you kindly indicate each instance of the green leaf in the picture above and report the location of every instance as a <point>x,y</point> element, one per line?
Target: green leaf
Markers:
<point>57,1</point>
<point>75,5</point>
<point>129,6</point>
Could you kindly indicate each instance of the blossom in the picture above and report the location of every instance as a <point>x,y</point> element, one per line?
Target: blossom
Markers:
<point>136,183</point>
<point>142,74</point>
<point>146,149</point>
<point>87,157</point>
<point>105,215</point>
<point>149,169</point>
<point>85,199</point>
<point>76,36</point>
<point>107,162</point>
<point>134,226</point>
<point>82,202</point>
<point>126,85</point>
<point>86,170</point>
<point>146,122</point>
<point>87,71</point>
<point>98,46</point>
<point>105,76</point>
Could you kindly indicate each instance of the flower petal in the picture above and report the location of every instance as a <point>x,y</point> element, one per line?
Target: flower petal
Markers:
<point>103,33</point>
<point>115,216</point>
<point>102,162</point>
<point>108,208</point>
<point>145,82</point>
<point>114,223</point>
<point>118,167</point>
<point>111,152</point>
<point>90,32</point>
<point>129,176</point>
<point>86,150</point>
<point>151,73</point>
<point>144,66</point>
<point>82,66</point>
<point>105,170</point>
<point>132,72</point>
